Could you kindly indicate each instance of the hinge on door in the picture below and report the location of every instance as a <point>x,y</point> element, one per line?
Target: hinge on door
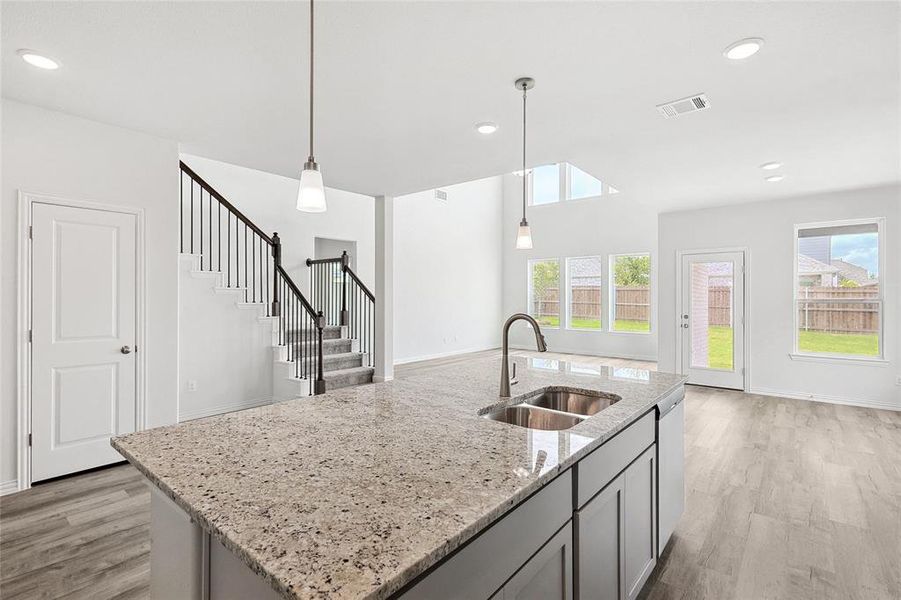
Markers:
<point>29,336</point>
<point>29,439</point>
<point>30,232</point>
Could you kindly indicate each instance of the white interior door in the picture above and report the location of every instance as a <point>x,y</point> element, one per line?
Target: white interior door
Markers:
<point>711,319</point>
<point>83,336</point>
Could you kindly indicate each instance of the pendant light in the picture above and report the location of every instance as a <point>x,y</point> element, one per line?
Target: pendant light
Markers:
<point>524,233</point>
<point>311,195</point>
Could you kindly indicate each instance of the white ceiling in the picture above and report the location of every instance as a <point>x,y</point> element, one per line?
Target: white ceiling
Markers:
<point>401,84</point>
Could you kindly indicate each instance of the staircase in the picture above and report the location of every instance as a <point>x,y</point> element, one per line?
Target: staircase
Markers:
<point>319,344</point>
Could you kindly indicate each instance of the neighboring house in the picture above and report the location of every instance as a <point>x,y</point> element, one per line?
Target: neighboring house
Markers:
<point>719,274</point>
<point>855,273</point>
<point>817,247</point>
<point>586,272</point>
<point>813,273</point>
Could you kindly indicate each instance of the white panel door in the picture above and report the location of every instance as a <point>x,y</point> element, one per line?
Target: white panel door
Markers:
<point>711,319</point>
<point>83,336</point>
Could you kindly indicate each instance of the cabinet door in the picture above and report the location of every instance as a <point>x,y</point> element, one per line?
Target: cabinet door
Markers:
<point>547,575</point>
<point>639,521</point>
<point>599,524</point>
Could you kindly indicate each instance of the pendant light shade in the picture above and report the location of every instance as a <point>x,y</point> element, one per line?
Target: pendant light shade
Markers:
<point>311,195</point>
<point>524,236</point>
<point>524,232</point>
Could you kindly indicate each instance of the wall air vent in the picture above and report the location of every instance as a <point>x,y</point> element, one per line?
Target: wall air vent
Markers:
<point>683,106</point>
<point>440,195</point>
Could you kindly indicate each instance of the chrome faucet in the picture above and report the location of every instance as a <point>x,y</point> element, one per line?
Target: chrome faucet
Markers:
<point>505,367</point>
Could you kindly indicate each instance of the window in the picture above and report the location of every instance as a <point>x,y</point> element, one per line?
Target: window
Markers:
<point>585,279</point>
<point>838,292</point>
<point>582,185</point>
<point>545,184</point>
<point>544,291</point>
<point>549,184</point>
<point>630,300</point>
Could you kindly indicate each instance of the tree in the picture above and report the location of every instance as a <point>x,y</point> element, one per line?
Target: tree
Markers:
<point>848,283</point>
<point>545,275</point>
<point>632,271</point>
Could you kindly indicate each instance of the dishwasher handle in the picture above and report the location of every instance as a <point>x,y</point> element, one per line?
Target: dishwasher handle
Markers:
<point>671,407</point>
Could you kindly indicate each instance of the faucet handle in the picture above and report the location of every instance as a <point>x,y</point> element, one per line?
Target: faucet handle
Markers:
<point>513,376</point>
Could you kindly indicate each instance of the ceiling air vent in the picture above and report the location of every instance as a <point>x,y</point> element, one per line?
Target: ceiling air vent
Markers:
<point>440,195</point>
<point>683,106</point>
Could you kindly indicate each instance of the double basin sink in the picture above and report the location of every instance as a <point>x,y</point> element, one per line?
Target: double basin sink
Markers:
<point>553,409</point>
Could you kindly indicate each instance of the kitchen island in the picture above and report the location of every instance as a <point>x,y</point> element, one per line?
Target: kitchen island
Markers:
<point>404,489</point>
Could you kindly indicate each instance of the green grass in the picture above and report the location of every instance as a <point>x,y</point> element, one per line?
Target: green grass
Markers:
<point>583,323</point>
<point>858,344</point>
<point>625,325</point>
<point>719,347</point>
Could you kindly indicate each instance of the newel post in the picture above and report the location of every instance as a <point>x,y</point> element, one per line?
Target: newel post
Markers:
<point>319,386</point>
<point>345,261</point>
<point>276,263</point>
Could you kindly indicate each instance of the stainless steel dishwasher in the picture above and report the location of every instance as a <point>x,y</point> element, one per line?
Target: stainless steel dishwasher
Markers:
<point>670,465</point>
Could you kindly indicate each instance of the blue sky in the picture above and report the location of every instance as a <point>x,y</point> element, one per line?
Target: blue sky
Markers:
<point>862,249</point>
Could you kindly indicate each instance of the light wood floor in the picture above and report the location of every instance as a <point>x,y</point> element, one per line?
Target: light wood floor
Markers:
<point>786,499</point>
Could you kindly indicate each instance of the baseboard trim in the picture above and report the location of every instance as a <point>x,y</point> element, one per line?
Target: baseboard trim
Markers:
<point>223,408</point>
<point>826,398</point>
<point>412,359</point>
<point>377,379</point>
<point>9,487</point>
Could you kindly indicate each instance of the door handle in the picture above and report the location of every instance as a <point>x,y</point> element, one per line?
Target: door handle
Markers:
<point>684,325</point>
<point>125,350</point>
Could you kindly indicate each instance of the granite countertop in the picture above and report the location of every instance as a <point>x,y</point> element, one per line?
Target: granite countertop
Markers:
<point>354,493</point>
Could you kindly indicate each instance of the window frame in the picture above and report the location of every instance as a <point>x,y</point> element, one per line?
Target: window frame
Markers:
<point>568,305</point>
<point>562,276</point>
<point>796,352</point>
<point>611,293</point>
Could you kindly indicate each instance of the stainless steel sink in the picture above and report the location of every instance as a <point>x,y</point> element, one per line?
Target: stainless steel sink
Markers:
<point>578,403</point>
<point>534,418</point>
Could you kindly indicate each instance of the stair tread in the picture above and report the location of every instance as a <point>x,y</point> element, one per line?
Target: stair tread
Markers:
<point>350,371</point>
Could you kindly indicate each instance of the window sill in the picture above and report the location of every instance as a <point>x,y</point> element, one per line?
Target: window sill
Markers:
<point>828,358</point>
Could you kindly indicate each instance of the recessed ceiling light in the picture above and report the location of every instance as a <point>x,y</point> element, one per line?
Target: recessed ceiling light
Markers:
<point>743,48</point>
<point>486,128</point>
<point>775,178</point>
<point>38,60</point>
<point>769,166</point>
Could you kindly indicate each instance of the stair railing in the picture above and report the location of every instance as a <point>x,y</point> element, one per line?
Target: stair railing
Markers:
<point>344,300</point>
<point>248,259</point>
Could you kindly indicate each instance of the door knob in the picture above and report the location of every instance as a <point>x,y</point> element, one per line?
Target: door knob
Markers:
<point>125,350</point>
<point>684,325</point>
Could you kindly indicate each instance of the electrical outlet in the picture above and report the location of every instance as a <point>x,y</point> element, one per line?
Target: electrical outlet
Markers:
<point>192,385</point>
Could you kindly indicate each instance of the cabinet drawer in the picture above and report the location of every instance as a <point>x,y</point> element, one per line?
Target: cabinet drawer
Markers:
<point>486,562</point>
<point>600,467</point>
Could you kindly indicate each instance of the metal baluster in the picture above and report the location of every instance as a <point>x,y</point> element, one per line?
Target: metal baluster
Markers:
<point>210,208</point>
<point>192,216</point>
<point>200,211</point>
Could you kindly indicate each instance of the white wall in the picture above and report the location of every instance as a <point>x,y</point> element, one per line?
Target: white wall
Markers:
<point>600,226</point>
<point>60,155</point>
<point>448,271</point>
<point>225,351</point>
<point>767,230</point>
<point>269,201</point>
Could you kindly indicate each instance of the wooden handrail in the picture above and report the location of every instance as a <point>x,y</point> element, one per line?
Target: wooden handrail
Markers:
<point>322,261</point>
<point>360,283</point>
<point>303,301</point>
<point>231,207</point>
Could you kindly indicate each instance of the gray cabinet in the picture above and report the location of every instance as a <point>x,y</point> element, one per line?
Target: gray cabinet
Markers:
<point>599,540</point>
<point>615,534</point>
<point>640,531</point>
<point>546,576</point>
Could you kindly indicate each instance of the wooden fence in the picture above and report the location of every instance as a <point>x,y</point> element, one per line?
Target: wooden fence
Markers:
<point>633,303</point>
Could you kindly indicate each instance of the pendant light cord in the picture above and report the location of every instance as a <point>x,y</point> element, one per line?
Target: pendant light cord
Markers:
<point>524,182</point>
<point>311,81</point>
